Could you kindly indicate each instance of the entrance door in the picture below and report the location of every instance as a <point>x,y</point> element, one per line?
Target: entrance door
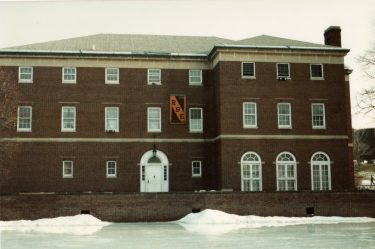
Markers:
<point>154,177</point>
<point>154,172</point>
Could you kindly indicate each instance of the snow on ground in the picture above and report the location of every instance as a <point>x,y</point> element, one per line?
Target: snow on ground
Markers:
<point>217,222</point>
<point>82,224</point>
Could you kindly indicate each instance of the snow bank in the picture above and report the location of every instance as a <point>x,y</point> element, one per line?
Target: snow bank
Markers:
<point>83,224</point>
<point>206,220</point>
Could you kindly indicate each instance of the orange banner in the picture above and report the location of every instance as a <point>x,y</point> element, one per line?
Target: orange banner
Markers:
<point>177,109</point>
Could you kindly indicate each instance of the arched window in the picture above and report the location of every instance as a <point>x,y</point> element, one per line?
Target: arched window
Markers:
<point>320,171</point>
<point>286,172</point>
<point>251,172</point>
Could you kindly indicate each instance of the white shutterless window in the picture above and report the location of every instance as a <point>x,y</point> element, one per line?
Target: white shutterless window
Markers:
<point>196,120</point>
<point>24,118</point>
<point>154,76</point>
<point>195,77</point>
<point>318,116</point>
<point>25,75</point>
<point>69,75</point>
<point>67,169</point>
<point>111,169</point>
<point>112,76</point>
<point>283,70</point>
<point>196,168</point>
<point>154,119</point>
<point>316,71</point>
<point>68,118</point>
<point>248,70</point>
<point>250,115</point>
<point>284,116</point>
<point>286,172</point>
<point>112,119</point>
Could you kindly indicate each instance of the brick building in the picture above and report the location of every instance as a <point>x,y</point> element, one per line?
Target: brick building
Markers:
<point>141,113</point>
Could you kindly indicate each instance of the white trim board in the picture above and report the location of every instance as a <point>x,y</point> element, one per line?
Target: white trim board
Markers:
<point>175,140</point>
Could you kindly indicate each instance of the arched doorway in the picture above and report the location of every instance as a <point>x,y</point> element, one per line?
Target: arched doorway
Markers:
<point>154,172</point>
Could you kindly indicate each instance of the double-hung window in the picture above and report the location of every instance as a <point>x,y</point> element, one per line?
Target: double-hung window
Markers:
<point>25,75</point>
<point>196,168</point>
<point>69,75</point>
<point>318,116</point>
<point>68,118</point>
<point>67,169</point>
<point>154,119</point>
<point>111,75</point>
<point>111,169</point>
<point>195,77</point>
<point>24,119</point>
<point>316,71</point>
<point>248,70</point>
<point>250,115</point>
<point>284,115</point>
<point>283,70</point>
<point>112,119</point>
<point>196,120</point>
<point>154,77</point>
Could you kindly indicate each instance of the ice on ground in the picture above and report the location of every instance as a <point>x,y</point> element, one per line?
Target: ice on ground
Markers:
<point>82,224</point>
<point>208,220</point>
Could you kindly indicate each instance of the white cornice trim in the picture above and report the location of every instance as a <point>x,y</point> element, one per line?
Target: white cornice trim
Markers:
<point>174,140</point>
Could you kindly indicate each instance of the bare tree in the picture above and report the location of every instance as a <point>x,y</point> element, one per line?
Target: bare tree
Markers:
<point>8,119</point>
<point>366,100</point>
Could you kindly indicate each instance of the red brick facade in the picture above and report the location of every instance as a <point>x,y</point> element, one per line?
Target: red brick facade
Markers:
<point>37,167</point>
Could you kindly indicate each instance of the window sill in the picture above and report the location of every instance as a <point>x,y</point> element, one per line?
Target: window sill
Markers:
<point>319,127</point>
<point>196,176</point>
<point>69,82</point>
<point>285,128</point>
<point>249,77</point>
<point>111,177</point>
<point>316,78</point>
<point>153,131</point>
<point>196,132</point>
<point>112,83</point>
<point>21,130</point>
<point>195,84</point>
<point>154,83</point>
<point>69,177</point>
<point>25,81</point>
<point>250,127</point>
<point>68,130</point>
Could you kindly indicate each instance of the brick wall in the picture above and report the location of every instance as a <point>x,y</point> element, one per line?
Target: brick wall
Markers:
<point>167,206</point>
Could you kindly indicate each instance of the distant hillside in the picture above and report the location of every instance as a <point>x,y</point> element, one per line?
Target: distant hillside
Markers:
<point>364,144</point>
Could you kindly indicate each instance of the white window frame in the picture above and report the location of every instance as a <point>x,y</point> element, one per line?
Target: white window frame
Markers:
<point>19,119</point>
<point>106,119</point>
<point>69,81</point>
<point>107,81</point>
<point>312,116</point>
<point>62,119</point>
<point>284,163</point>
<point>251,178</point>
<point>68,175</point>
<point>191,129</point>
<point>317,78</point>
<point>148,76</point>
<point>25,80</point>
<point>107,169</point>
<point>195,83</point>
<point>282,76</point>
<point>245,76</point>
<point>148,119</point>
<point>278,116</point>
<point>244,115</point>
<point>200,168</point>
<point>320,163</point>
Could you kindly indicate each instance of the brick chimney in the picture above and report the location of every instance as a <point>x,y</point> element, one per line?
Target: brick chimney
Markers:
<point>332,36</point>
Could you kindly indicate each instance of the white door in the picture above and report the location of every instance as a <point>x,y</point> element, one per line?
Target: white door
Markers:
<point>154,173</point>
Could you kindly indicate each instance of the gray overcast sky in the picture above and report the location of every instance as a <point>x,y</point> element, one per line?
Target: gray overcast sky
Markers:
<point>30,22</point>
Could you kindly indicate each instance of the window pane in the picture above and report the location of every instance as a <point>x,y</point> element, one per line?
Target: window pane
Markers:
<point>195,76</point>
<point>248,69</point>
<point>283,70</point>
<point>316,71</point>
